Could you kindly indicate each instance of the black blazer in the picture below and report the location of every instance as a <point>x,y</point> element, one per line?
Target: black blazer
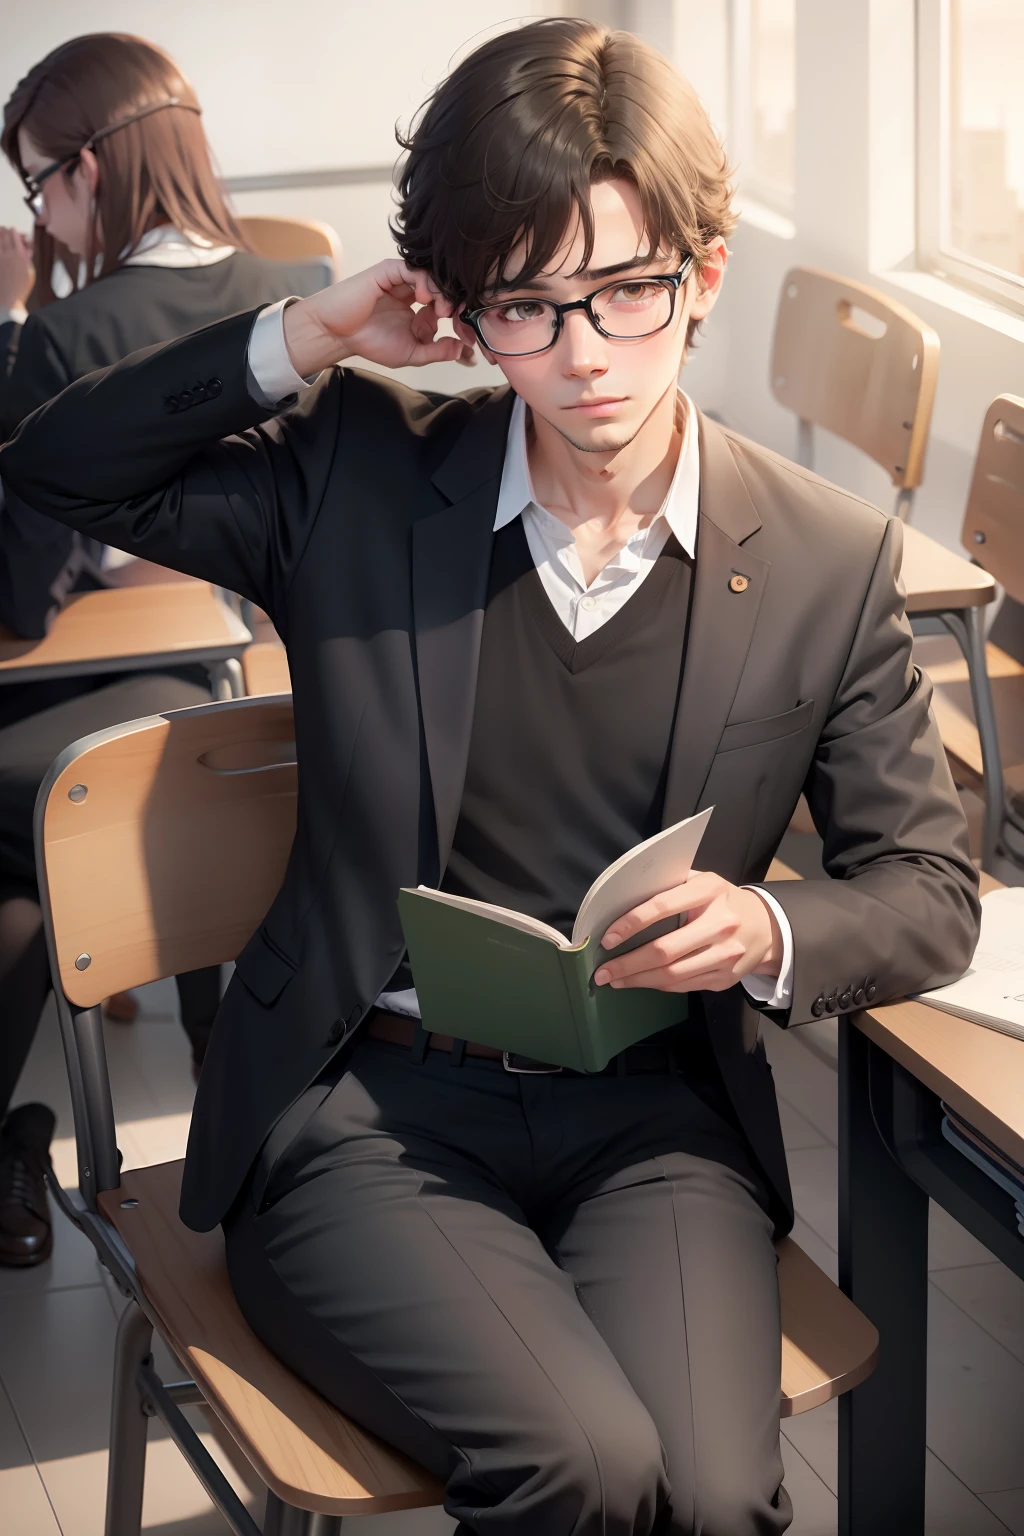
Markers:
<point>40,560</point>
<point>361,519</point>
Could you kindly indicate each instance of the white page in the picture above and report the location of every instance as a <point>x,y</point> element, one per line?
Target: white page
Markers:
<point>658,864</point>
<point>993,985</point>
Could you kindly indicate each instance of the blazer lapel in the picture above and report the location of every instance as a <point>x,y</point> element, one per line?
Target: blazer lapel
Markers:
<point>722,621</point>
<point>451,554</point>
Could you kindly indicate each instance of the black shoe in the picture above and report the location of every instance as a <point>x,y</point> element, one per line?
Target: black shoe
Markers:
<point>26,1233</point>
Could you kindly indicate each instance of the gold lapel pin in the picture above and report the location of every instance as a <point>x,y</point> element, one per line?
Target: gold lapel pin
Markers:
<point>738,583</point>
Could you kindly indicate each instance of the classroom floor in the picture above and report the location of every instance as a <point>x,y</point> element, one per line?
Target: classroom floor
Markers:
<point>57,1325</point>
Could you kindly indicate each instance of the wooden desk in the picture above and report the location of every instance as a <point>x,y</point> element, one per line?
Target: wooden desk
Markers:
<point>129,629</point>
<point>895,1065</point>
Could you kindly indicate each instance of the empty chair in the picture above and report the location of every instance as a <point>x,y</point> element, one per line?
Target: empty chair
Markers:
<point>993,532</point>
<point>850,360</point>
<point>294,240</point>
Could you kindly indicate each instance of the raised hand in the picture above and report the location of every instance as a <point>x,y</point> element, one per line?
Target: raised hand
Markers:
<point>371,315</point>
<point>16,273</point>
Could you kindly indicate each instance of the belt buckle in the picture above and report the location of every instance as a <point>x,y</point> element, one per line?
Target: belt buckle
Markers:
<point>537,1069</point>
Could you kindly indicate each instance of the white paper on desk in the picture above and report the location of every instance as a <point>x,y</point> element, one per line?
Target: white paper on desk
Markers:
<point>991,991</point>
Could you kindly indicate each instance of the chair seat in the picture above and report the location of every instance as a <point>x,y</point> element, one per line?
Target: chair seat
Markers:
<point>936,579</point>
<point>307,1452</point>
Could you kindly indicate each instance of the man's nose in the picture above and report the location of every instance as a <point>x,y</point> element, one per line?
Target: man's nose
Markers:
<point>584,351</point>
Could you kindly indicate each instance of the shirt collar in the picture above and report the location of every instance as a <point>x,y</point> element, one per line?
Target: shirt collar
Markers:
<point>166,246</point>
<point>679,507</point>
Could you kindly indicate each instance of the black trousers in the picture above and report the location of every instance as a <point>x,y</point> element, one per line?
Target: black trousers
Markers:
<point>557,1292</point>
<point>37,721</point>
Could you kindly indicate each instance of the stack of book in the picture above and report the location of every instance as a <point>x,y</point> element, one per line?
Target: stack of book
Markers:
<point>1002,1170</point>
<point>991,993</point>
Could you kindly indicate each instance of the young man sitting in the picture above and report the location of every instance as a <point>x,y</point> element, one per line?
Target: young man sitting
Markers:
<point>527,627</point>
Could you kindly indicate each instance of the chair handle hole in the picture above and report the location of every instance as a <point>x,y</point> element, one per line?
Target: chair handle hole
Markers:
<point>861,320</point>
<point>249,757</point>
<point>1008,434</point>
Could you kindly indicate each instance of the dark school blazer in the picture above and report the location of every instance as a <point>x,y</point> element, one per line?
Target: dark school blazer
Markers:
<point>42,561</point>
<point>361,520</point>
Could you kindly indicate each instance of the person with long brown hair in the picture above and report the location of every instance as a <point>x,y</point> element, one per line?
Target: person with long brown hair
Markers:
<point>107,138</point>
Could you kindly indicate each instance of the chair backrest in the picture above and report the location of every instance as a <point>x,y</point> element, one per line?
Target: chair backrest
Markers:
<point>160,844</point>
<point>993,528</point>
<point>291,239</point>
<point>850,360</point>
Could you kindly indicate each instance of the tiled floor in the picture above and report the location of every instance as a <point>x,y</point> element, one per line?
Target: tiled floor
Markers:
<point>57,1327</point>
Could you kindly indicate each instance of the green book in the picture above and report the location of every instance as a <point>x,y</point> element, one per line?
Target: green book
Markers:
<point>498,977</point>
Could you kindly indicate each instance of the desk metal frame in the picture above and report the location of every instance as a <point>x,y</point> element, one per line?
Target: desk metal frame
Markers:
<point>892,1157</point>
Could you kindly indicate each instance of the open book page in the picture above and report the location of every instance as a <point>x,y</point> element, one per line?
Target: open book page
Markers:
<point>658,864</point>
<point>520,920</point>
<point>991,991</point>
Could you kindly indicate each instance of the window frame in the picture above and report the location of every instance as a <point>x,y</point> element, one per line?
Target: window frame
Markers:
<point>781,199</point>
<point>933,168</point>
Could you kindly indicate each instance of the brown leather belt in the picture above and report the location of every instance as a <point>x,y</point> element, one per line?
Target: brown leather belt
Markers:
<point>395,1029</point>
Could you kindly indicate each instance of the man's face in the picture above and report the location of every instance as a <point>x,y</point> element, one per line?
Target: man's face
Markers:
<point>595,391</point>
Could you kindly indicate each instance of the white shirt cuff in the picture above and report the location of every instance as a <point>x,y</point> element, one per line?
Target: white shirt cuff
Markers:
<point>17,312</point>
<point>269,363</point>
<point>771,991</point>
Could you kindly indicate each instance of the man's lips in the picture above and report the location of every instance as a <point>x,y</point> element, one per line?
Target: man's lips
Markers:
<point>602,406</point>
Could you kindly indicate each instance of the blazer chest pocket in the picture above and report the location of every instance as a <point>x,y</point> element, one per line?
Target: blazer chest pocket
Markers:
<point>754,733</point>
<point>264,969</point>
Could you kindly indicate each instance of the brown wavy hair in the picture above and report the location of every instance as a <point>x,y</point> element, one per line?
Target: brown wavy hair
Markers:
<point>152,171</point>
<point>507,148</point>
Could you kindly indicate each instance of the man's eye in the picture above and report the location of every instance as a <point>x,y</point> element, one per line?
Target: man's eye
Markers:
<point>634,293</point>
<point>520,310</point>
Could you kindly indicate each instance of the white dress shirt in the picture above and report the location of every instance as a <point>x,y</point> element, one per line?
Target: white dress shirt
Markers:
<point>581,608</point>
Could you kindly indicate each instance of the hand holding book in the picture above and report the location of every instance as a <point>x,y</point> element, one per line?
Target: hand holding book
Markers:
<point>729,933</point>
<point>504,978</point>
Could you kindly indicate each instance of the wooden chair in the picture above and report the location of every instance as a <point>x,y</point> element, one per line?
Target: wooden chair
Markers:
<point>160,845</point>
<point>850,360</point>
<point>135,628</point>
<point>984,736</point>
<point>293,240</point>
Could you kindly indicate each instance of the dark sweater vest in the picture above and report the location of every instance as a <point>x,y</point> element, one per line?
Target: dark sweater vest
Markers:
<point>570,741</point>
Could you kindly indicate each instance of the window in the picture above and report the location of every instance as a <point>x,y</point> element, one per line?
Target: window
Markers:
<point>971,143</point>
<point>764,99</point>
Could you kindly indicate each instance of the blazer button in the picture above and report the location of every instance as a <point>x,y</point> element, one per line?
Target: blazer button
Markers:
<point>171,404</point>
<point>213,388</point>
<point>831,1003</point>
<point>337,1032</point>
<point>846,1000</point>
<point>869,991</point>
<point>199,393</point>
<point>858,997</point>
<point>818,1007</point>
<point>185,399</point>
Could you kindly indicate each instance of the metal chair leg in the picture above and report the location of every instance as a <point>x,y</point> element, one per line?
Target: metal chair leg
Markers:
<point>126,1468</point>
<point>904,504</point>
<point>227,680</point>
<point>968,627</point>
<point>285,1520</point>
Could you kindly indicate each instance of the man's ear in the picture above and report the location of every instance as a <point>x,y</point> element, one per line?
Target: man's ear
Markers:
<point>709,281</point>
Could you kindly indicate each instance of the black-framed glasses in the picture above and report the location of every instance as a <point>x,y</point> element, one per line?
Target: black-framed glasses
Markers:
<point>627,310</point>
<point>34,184</point>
